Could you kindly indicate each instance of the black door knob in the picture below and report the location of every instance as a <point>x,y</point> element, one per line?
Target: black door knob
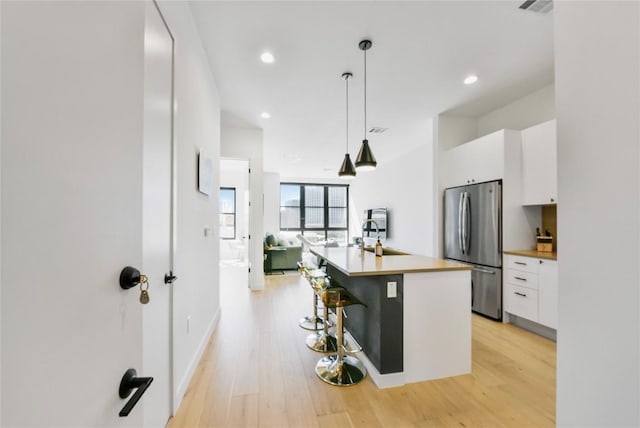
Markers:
<point>129,277</point>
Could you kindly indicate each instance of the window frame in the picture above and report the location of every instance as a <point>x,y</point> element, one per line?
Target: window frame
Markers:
<point>302,207</point>
<point>234,213</point>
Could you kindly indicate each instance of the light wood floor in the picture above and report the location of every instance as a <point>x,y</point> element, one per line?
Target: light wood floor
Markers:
<point>257,371</point>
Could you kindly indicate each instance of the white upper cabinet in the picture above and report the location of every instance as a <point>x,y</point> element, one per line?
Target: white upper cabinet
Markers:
<point>539,165</point>
<point>476,161</point>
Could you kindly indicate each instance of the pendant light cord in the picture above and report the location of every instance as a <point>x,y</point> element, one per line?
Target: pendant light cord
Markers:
<point>365,94</point>
<point>347,127</point>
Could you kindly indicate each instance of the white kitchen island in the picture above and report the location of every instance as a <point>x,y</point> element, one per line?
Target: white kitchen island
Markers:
<point>418,329</point>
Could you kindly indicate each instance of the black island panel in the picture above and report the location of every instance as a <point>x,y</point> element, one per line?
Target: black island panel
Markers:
<point>378,327</point>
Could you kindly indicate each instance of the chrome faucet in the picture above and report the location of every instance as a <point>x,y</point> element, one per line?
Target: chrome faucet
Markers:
<point>364,223</point>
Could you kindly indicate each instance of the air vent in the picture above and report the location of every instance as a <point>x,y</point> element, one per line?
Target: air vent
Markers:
<point>538,6</point>
<point>377,130</point>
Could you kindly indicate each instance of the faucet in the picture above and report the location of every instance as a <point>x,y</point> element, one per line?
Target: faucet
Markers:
<point>364,223</point>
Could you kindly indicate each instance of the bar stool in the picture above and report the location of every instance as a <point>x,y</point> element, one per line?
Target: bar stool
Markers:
<point>321,341</point>
<point>340,369</point>
<point>312,322</point>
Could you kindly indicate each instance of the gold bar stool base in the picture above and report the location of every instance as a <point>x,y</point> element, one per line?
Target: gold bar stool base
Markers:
<point>347,372</point>
<point>321,342</point>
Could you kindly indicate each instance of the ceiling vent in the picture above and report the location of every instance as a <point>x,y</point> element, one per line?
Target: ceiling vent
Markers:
<point>538,6</point>
<point>377,130</point>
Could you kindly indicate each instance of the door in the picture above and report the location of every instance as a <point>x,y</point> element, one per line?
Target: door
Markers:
<point>453,200</point>
<point>548,293</point>
<point>539,165</point>
<point>157,216</point>
<point>486,291</point>
<point>482,224</point>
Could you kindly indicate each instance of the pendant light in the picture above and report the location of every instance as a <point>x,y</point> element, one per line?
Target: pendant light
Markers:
<point>365,160</point>
<point>347,170</point>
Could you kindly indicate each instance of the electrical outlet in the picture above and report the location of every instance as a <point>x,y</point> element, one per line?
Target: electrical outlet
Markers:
<point>189,324</point>
<point>392,289</point>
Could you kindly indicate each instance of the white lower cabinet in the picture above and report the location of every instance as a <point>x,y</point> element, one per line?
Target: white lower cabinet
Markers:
<point>531,289</point>
<point>548,293</point>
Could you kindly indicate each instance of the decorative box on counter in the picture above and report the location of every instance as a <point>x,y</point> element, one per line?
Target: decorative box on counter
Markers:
<point>544,244</point>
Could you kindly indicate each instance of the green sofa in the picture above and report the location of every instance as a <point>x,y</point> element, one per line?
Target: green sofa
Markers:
<point>280,255</point>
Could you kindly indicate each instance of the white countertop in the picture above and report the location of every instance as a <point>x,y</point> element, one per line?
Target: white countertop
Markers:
<point>351,261</point>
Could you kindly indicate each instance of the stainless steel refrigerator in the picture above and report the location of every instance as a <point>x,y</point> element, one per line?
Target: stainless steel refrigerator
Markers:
<point>473,234</point>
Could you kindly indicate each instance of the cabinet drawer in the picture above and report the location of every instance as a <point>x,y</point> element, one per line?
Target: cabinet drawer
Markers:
<point>522,278</point>
<point>527,264</point>
<point>522,302</point>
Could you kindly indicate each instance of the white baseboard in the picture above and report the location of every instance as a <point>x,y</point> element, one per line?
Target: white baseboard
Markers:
<point>381,380</point>
<point>193,364</point>
<point>533,327</point>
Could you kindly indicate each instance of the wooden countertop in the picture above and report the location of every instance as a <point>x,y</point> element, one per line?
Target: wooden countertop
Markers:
<point>534,253</point>
<point>352,262</point>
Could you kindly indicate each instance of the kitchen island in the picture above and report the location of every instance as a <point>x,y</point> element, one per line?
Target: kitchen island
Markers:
<point>416,324</point>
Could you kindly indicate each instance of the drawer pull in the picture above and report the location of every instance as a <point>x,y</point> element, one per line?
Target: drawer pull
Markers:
<point>519,278</point>
<point>520,294</point>
<point>520,263</point>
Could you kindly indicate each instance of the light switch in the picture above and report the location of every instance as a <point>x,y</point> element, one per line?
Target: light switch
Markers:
<point>392,289</point>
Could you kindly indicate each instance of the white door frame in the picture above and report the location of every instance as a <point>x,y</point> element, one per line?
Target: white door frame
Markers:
<point>246,192</point>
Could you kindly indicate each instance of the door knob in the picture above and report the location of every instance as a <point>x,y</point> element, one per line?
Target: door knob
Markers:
<point>128,383</point>
<point>129,277</point>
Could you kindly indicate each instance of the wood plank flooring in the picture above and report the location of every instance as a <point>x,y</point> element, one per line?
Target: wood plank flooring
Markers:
<point>257,372</point>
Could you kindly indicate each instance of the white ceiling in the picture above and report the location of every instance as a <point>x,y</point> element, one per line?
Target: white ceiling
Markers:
<point>422,50</point>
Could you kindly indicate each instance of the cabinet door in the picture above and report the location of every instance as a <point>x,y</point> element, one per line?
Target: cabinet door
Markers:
<point>475,162</point>
<point>548,293</point>
<point>539,165</point>
<point>522,302</point>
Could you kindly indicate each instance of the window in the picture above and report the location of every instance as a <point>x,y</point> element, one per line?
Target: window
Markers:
<point>315,209</point>
<point>227,213</point>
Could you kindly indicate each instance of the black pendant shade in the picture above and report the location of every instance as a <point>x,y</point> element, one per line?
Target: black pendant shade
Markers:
<point>347,170</point>
<point>366,161</point>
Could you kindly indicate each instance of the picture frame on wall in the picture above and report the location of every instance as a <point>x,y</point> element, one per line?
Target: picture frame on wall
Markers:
<point>205,173</point>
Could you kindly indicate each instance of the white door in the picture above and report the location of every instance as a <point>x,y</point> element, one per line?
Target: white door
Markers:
<point>157,216</point>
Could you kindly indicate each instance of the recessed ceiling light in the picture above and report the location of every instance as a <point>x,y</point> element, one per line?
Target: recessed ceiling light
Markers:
<point>267,57</point>
<point>471,79</point>
<point>265,115</point>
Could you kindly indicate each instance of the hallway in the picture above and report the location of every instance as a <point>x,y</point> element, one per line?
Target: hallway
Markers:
<point>257,371</point>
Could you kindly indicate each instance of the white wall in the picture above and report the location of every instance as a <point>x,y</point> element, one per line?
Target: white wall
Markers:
<point>597,67</point>
<point>532,109</point>
<point>451,131</point>
<point>72,131</point>
<point>405,187</point>
<point>245,143</point>
<point>271,202</point>
<point>197,125</point>
<point>535,108</point>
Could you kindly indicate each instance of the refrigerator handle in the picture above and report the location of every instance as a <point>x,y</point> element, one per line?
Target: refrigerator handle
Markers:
<point>490,272</point>
<point>467,222</point>
<point>460,216</point>
<point>497,196</point>
<point>473,294</point>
